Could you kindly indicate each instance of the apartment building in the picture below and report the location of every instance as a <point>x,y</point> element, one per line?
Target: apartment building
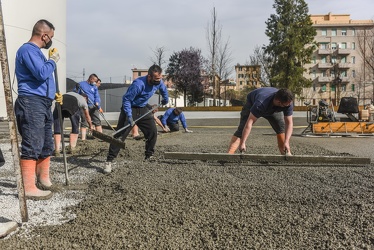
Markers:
<point>337,67</point>
<point>247,75</point>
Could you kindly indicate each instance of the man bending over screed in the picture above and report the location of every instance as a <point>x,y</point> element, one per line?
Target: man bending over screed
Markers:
<point>274,105</point>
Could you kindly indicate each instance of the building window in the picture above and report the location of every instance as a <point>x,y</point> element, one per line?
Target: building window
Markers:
<point>344,87</point>
<point>323,45</point>
<point>324,73</point>
<point>323,59</point>
<point>353,73</point>
<point>343,45</point>
<point>333,59</point>
<point>353,32</point>
<point>333,32</point>
<point>314,59</point>
<point>353,59</point>
<point>344,32</point>
<point>314,87</point>
<point>353,45</point>
<point>254,83</point>
<point>344,59</point>
<point>343,73</point>
<point>324,32</point>
<point>353,87</point>
<point>333,46</point>
<point>241,82</point>
<point>139,74</point>
<point>314,73</point>
<point>333,88</point>
<point>333,73</point>
<point>323,88</point>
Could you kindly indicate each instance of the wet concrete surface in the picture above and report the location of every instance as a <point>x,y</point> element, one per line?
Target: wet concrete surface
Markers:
<point>171,204</point>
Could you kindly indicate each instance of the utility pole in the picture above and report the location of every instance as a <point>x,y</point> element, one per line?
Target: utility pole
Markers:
<point>364,64</point>
<point>12,120</point>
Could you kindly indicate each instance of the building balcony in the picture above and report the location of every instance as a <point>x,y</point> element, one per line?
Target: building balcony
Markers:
<point>344,51</point>
<point>344,65</point>
<point>345,79</point>
<point>324,51</point>
<point>324,79</point>
<point>324,65</point>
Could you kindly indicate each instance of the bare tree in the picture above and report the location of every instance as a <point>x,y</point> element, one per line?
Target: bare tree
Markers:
<point>259,57</point>
<point>158,56</point>
<point>214,38</point>
<point>225,59</point>
<point>365,39</point>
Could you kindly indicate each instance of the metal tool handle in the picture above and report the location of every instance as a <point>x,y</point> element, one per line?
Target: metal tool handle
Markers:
<point>119,131</point>
<point>61,121</point>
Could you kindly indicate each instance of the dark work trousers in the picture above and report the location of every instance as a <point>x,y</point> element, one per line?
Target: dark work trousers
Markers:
<point>34,122</point>
<point>73,118</point>
<point>276,121</point>
<point>146,125</point>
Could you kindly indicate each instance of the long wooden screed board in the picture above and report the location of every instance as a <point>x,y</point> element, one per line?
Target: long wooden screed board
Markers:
<point>311,159</point>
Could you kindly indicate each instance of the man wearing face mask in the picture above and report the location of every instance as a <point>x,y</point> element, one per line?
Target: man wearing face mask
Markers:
<point>36,92</point>
<point>134,105</point>
<point>89,88</point>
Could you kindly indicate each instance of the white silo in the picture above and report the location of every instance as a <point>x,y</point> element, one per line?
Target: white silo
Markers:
<point>19,18</point>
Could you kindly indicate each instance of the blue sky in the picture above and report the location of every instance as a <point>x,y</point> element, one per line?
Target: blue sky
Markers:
<point>109,37</point>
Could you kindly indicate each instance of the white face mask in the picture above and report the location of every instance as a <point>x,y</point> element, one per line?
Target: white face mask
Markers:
<point>93,83</point>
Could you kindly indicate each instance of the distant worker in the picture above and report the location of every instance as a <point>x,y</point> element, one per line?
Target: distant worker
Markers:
<point>89,88</point>
<point>134,105</point>
<point>274,105</point>
<point>72,107</point>
<point>36,92</point>
<point>98,83</point>
<point>170,120</point>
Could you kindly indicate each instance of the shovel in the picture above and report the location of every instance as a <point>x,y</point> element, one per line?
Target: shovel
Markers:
<point>105,137</point>
<point>61,121</point>
<point>120,131</point>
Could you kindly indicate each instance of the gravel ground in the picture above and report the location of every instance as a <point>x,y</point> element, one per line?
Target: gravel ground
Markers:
<point>170,204</point>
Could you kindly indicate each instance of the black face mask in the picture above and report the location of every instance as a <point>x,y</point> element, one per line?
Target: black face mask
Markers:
<point>155,83</point>
<point>48,44</point>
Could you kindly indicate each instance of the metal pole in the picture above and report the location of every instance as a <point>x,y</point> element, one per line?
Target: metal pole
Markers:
<point>11,118</point>
<point>61,121</point>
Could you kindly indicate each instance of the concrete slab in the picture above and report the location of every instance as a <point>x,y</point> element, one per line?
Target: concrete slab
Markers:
<point>306,159</point>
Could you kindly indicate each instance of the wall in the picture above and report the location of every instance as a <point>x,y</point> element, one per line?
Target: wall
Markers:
<point>19,18</point>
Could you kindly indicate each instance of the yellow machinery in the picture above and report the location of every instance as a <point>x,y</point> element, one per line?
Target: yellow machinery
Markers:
<point>322,119</point>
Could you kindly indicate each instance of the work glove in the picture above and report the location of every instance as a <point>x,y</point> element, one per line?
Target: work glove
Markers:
<point>54,55</point>
<point>188,131</point>
<point>58,98</point>
<point>166,129</point>
<point>164,102</point>
<point>131,122</point>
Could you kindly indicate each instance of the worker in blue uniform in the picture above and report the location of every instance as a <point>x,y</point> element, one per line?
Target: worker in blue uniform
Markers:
<point>276,106</point>
<point>36,92</point>
<point>134,105</point>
